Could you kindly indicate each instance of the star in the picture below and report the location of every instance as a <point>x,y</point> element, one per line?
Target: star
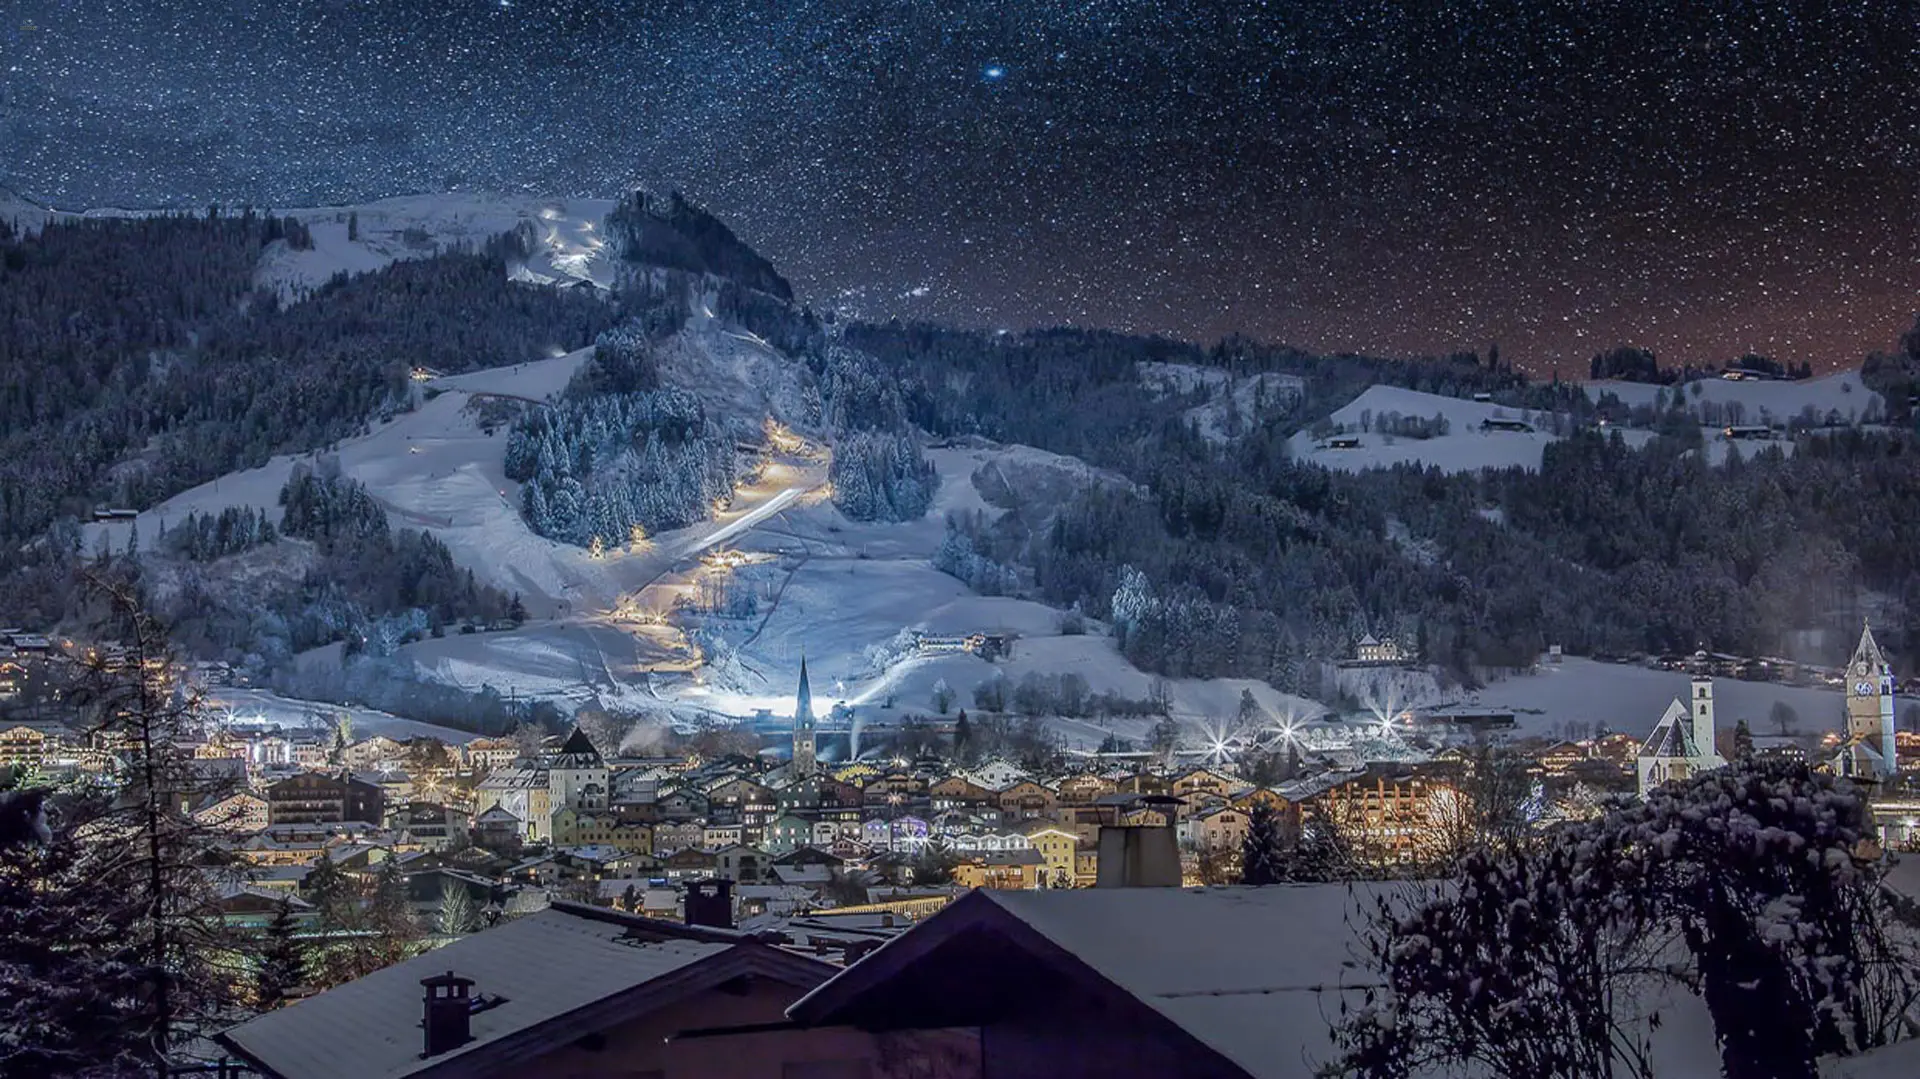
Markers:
<point>993,72</point>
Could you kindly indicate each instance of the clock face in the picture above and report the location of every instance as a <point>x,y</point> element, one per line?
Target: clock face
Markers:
<point>1860,668</point>
<point>1863,688</point>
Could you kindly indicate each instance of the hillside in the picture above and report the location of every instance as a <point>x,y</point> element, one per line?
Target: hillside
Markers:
<point>565,234</point>
<point>1841,395</point>
<point>1465,446</point>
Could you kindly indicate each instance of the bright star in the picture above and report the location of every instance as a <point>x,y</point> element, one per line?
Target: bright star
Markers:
<point>993,72</point>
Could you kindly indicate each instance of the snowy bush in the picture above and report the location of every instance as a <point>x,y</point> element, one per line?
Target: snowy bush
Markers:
<point>1742,886</point>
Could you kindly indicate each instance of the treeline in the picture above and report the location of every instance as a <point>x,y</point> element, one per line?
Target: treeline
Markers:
<point>1235,560</point>
<point>1628,364</point>
<point>597,466</point>
<point>674,234</point>
<point>148,337</point>
<point>205,537</point>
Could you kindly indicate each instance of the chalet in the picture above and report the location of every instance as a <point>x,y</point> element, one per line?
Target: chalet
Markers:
<point>24,744</point>
<point>1082,788</point>
<point>1026,800</point>
<point>318,797</point>
<point>1371,649</point>
<point>1342,442</point>
<point>1197,785</point>
<point>238,812</point>
<point>743,865</point>
<point>1220,827</point>
<point>959,792</point>
<point>430,824</point>
<point>498,829</point>
<point>1014,869</point>
<point>742,801</point>
<point>1755,432</point>
<point>115,514</point>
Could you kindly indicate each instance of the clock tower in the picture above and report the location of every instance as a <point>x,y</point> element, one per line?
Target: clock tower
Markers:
<point>1868,751</point>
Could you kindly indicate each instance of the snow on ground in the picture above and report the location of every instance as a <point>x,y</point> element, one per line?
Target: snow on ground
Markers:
<point>257,707</point>
<point>1630,699</point>
<point>1765,402</point>
<point>1464,448</point>
<point>435,468</point>
<point>566,232</point>
<point>1234,404</point>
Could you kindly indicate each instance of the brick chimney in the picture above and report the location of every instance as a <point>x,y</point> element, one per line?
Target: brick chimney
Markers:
<point>710,903</point>
<point>449,1011</point>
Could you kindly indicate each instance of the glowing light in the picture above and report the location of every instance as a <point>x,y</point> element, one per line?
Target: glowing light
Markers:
<point>993,72</point>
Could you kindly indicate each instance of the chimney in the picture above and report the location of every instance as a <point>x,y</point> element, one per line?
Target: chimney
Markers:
<point>1140,855</point>
<point>449,1009</point>
<point>710,903</point>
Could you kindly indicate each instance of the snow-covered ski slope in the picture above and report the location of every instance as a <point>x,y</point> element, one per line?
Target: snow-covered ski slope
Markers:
<point>857,585</point>
<point>436,468</point>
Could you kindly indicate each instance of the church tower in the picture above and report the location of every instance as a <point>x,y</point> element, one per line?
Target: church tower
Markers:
<point>1869,750</point>
<point>803,725</point>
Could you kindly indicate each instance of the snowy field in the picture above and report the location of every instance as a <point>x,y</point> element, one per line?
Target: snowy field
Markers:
<point>242,708</point>
<point>1630,699</point>
<point>1467,448</point>
<point>1765,402</point>
<point>1464,448</point>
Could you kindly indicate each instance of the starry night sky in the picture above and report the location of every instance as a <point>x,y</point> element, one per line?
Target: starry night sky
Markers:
<point>1700,178</point>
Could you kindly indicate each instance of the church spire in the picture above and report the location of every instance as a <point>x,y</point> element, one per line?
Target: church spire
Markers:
<point>803,704</point>
<point>803,748</point>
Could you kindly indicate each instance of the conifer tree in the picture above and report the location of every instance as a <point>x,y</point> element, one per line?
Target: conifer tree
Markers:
<point>1262,855</point>
<point>1742,741</point>
<point>282,960</point>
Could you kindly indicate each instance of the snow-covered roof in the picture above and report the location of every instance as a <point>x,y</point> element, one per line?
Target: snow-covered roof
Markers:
<point>544,965</point>
<point>1256,974</point>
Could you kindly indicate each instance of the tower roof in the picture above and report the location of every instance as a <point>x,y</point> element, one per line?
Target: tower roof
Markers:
<point>803,700</point>
<point>1868,651</point>
<point>578,752</point>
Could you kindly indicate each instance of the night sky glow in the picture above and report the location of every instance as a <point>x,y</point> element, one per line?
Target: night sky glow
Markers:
<point>1699,178</point>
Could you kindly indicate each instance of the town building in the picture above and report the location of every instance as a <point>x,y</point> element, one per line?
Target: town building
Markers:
<point>1681,745</point>
<point>1373,649</point>
<point>322,797</point>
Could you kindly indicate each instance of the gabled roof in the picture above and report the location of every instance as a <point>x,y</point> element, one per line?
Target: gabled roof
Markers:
<point>1672,737</point>
<point>564,972</point>
<point>1244,981</point>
